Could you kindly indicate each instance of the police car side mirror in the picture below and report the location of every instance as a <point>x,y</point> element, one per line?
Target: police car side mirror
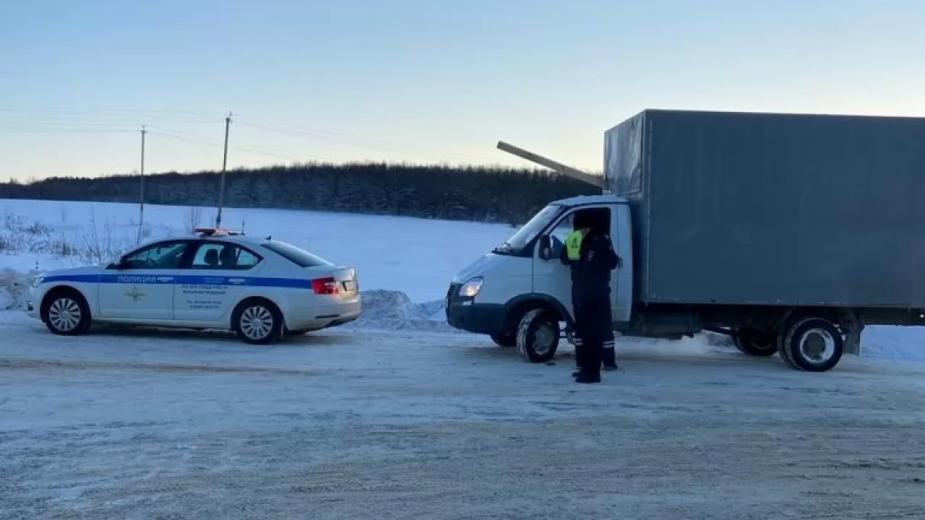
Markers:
<point>118,265</point>
<point>545,247</point>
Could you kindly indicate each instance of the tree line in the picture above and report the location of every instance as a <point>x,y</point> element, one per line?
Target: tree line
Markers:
<point>492,194</point>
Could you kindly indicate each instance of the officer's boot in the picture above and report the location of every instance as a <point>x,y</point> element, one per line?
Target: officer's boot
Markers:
<point>609,358</point>
<point>588,377</point>
<point>591,365</point>
<point>579,356</point>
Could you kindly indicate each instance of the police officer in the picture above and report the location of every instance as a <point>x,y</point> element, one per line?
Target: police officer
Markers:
<point>589,251</point>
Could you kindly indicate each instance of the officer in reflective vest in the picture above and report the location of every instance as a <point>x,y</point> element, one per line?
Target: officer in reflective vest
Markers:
<point>589,251</point>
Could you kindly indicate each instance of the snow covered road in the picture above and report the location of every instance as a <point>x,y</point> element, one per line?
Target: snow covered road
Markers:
<point>352,422</point>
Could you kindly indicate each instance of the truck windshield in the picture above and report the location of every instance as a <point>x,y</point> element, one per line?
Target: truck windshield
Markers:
<point>529,231</point>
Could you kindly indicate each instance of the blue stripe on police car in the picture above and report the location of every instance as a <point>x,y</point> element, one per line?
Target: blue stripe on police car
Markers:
<point>153,279</point>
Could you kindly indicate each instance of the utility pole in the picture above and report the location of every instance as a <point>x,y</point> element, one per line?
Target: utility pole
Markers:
<point>141,220</point>
<point>221,187</point>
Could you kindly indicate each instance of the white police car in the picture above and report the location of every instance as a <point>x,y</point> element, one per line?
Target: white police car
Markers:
<point>259,288</point>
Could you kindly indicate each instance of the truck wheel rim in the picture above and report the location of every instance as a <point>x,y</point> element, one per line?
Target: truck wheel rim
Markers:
<point>64,314</point>
<point>256,322</point>
<point>817,346</point>
<point>543,339</point>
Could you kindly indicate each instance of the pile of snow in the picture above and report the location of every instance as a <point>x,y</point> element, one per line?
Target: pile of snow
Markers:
<point>394,310</point>
<point>896,343</point>
<point>14,288</point>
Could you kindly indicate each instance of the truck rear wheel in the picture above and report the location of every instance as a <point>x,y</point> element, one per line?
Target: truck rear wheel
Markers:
<point>538,335</point>
<point>811,343</point>
<point>504,339</point>
<point>755,342</point>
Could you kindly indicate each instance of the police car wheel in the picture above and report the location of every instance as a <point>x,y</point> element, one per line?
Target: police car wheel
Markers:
<point>538,335</point>
<point>258,322</point>
<point>66,313</point>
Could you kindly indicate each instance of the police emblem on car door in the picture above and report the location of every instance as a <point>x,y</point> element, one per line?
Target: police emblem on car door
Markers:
<point>141,284</point>
<point>135,293</point>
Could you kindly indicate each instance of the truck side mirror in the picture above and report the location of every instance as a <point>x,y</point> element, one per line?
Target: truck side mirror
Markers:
<point>545,247</point>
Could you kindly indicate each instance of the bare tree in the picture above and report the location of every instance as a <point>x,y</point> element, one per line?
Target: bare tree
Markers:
<point>99,247</point>
<point>194,217</point>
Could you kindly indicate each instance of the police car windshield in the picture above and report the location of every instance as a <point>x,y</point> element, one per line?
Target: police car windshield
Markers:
<point>529,231</point>
<point>298,256</point>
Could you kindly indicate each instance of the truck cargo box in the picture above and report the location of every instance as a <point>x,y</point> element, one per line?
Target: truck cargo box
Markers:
<point>740,208</point>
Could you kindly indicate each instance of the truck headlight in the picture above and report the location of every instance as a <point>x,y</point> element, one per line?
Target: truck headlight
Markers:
<point>37,280</point>
<point>471,288</point>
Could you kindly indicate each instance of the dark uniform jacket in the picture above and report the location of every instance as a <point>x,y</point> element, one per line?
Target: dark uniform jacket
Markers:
<point>591,272</point>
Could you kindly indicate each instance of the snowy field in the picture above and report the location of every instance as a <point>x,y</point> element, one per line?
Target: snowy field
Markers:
<point>395,417</point>
<point>415,256</point>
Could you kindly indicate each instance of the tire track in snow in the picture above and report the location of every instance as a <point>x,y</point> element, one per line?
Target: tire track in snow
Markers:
<point>41,364</point>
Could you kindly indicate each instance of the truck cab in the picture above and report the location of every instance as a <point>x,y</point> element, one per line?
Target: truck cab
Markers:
<point>520,293</point>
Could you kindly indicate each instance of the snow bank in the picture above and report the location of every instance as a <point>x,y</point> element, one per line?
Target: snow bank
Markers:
<point>394,310</point>
<point>896,343</point>
<point>14,288</point>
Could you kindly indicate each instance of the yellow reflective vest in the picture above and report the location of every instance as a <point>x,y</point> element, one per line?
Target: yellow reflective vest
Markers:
<point>573,244</point>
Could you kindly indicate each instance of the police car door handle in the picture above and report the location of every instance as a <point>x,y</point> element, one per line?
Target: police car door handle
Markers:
<point>165,278</point>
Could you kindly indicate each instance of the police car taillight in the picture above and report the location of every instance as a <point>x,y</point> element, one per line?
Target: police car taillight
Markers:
<point>324,286</point>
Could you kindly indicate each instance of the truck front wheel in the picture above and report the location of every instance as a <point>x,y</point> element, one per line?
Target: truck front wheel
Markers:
<point>538,335</point>
<point>755,342</point>
<point>811,343</point>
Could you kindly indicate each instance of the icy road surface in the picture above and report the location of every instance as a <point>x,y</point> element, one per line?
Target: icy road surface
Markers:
<point>360,423</point>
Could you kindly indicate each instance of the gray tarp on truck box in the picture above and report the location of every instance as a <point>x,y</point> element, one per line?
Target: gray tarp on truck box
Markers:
<point>737,208</point>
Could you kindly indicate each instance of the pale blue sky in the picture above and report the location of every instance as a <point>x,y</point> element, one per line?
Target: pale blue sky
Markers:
<point>422,81</point>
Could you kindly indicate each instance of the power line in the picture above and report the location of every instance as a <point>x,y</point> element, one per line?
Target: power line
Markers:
<point>36,124</point>
<point>69,131</point>
<point>104,120</point>
<point>96,120</point>
<point>182,137</point>
<point>100,110</point>
<point>333,135</point>
<point>256,150</point>
<point>96,116</point>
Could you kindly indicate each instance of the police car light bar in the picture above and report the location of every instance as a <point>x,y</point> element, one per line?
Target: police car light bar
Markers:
<point>215,232</point>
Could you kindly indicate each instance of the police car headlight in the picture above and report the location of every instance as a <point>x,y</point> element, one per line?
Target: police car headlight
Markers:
<point>37,280</point>
<point>471,288</point>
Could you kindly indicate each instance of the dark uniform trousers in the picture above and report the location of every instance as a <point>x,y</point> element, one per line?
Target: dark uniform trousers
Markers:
<point>594,341</point>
